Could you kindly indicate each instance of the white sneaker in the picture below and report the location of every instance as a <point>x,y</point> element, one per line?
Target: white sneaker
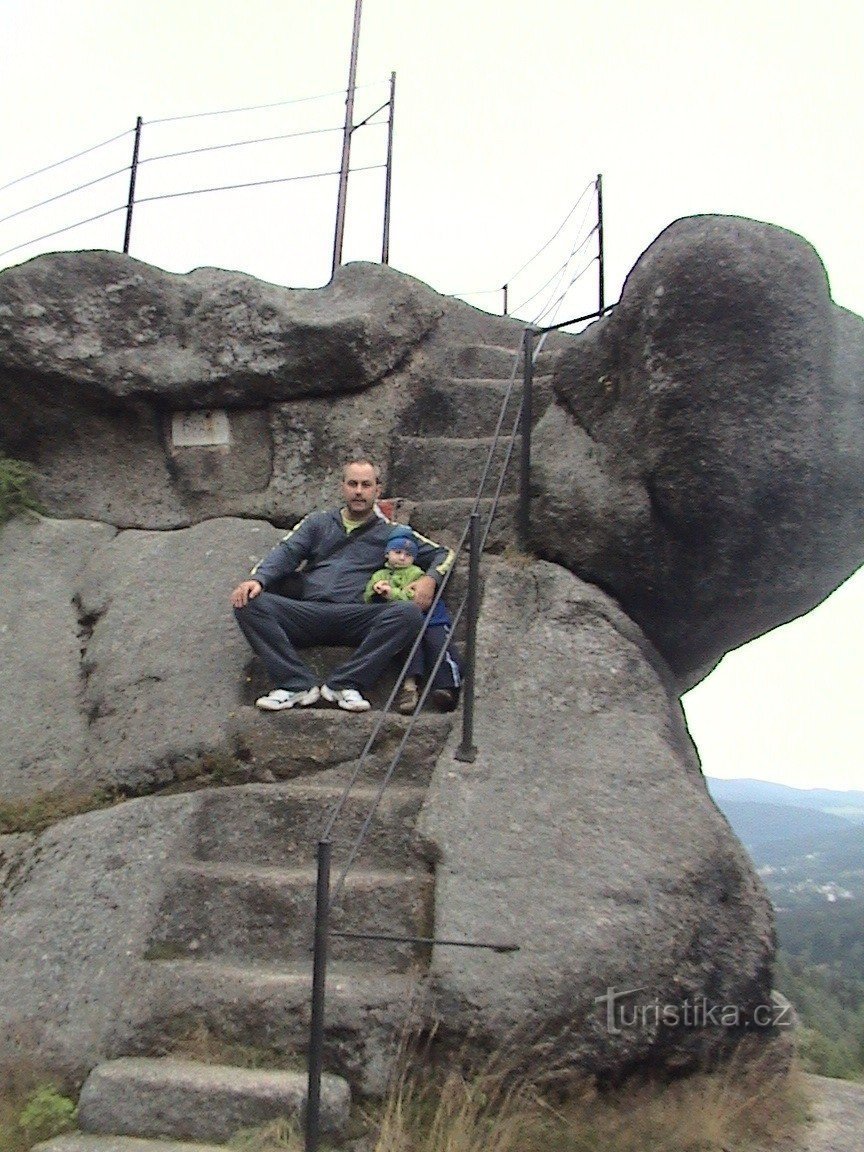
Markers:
<point>347,698</point>
<point>281,698</point>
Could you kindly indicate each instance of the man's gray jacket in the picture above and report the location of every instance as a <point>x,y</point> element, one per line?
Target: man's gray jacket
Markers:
<point>337,564</point>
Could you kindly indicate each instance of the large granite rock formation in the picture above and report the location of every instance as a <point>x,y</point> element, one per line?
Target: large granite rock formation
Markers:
<point>583,834</point>
<point>700,463</point>
<point>704,461</point>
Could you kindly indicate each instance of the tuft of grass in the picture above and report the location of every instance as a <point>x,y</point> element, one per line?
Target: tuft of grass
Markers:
<point>16,496</point>
<point>47,1113</point>
<point>33,1108</point>
<point>40,812</point>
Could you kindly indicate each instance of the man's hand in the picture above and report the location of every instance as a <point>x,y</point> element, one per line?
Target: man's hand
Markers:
<point>422,592</point>
<point>245,592</point>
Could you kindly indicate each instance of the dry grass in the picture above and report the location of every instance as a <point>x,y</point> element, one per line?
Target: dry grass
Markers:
<point>280,1136</point>
<point>197,1042</point>
<point>739,1108</point>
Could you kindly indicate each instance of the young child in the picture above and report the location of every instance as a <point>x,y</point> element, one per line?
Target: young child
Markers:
<point>391,583</point>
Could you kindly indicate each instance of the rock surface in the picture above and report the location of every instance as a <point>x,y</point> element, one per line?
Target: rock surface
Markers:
<point>701,464</point>
<point>704,462</point>
<point>584,834</point>
<point>127,662</point>
<point>100,354</point>
<point>43,717</point>
<point>118,329</point>
<point>75,919</point>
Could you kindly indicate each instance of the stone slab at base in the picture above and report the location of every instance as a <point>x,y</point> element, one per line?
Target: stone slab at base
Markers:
<point>79,1142</point>
<point>184,1100</point>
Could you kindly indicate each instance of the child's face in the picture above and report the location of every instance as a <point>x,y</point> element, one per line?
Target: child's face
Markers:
<point>399,558</point>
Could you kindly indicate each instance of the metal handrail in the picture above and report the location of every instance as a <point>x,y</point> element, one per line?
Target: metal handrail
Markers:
<point>326,898</point>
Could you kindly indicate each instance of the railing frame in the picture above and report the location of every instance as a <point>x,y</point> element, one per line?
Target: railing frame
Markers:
<point>466,751</point>
<point>133,176</point>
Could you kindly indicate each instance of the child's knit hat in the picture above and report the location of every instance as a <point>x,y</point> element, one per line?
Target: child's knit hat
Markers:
<point>401,537</point>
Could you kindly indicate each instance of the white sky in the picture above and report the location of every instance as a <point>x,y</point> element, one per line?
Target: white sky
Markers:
<point>504,114</point>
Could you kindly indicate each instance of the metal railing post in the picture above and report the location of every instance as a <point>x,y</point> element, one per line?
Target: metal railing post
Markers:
<point>466,750</point>
<point>342,196</point>
<point>319,978</point>
<point>524,514</point>
<point>388,183</point>
<point>600,254</point>
<point>134,173</point>
<point>505,290</point>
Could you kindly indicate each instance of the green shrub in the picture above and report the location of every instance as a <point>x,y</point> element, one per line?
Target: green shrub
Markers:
<point>16,479</point>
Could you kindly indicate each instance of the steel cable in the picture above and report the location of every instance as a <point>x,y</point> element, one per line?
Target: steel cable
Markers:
<point>237,144</point>
<point>249,184</point>
<point>558,274</point>
<point>557,303</point>
<point>261,107</point>
<point>569,258</point>
<point>68,228</point>
<point>56,164</point>
<point>586,189</point>
<point>60,195</point>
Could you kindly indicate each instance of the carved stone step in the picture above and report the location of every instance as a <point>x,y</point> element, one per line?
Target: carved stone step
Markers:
<point>267,1007</point>
<point>184,1100</point>
<point>445,520</point>
<point>309,740</point>
<point>454,407</point>
<point>250,914</point>
<point>473,361</point>
<point>439,468</point>
<point>81,1142</point>
<point>279,825</point>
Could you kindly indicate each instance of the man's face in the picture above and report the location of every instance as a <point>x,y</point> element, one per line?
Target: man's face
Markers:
<point>360,490</point>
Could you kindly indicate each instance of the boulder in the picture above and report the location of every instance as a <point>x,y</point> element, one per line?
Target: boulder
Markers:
<point>703,462</point>
<point>76,918</point>
<point>584,835</point>
<point>113,329</point>
<point>153,400</point>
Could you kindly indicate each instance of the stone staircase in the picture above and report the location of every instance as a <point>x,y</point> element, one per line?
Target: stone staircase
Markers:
<point>229,956</point>
<point>445,436</point>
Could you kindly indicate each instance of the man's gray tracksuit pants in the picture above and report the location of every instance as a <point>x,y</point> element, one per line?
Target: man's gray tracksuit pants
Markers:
<point>276,627</point>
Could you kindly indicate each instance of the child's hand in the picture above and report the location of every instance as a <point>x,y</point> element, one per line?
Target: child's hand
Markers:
<point>382,588</point>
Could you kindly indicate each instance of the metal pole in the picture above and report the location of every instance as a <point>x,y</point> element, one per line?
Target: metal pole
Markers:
<point>602,289</point>
<point>385,246</point>
<point>525,426</point>
<point>319,977</point>
<point>131,202</point>
<point>466,750</point>
<point>504,290</point>
<point>346,142</point>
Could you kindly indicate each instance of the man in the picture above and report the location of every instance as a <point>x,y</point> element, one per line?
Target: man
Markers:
<point>339,551</point>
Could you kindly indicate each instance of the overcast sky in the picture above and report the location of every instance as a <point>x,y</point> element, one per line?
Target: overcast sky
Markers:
<point>504,116</point>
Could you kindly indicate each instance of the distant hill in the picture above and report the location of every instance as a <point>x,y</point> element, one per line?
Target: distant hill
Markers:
<point>848,804</point>
<point>769,831</point>
<point>808,844</point>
